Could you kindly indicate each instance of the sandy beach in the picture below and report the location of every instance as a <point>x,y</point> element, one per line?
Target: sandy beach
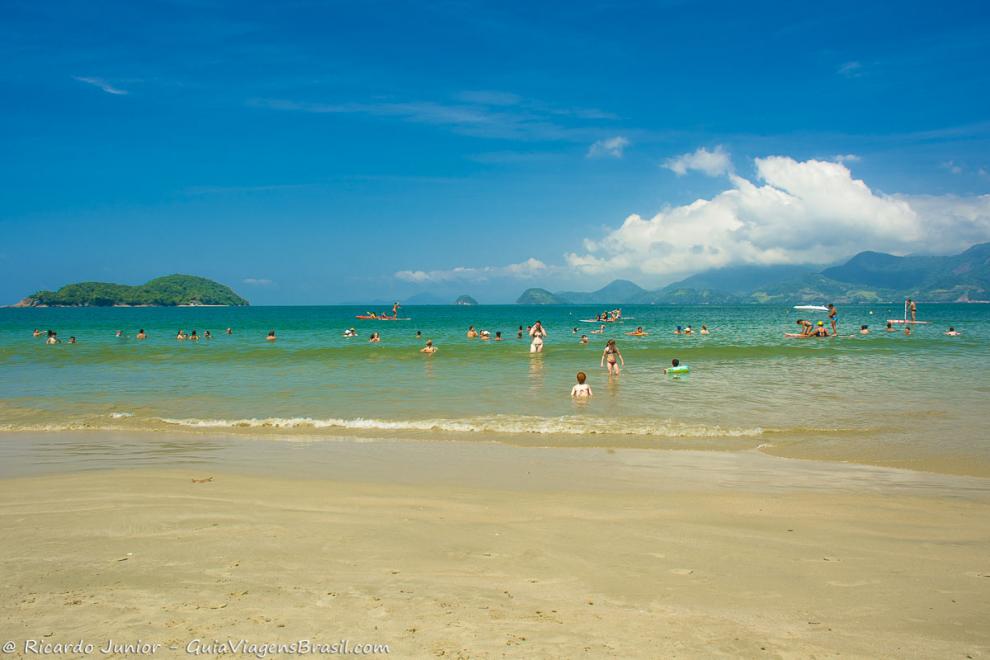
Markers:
<point>472,550</point>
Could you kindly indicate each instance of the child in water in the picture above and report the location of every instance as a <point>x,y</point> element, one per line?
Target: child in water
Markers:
<point>582,390</point>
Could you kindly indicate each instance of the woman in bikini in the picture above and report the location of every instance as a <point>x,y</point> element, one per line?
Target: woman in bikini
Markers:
<point>537,333</point>
<point>614,357</point>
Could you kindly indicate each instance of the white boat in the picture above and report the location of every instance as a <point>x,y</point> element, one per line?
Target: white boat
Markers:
<point>816,308</point>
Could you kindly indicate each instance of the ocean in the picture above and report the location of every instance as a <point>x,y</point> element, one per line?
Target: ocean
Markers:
<point>915,401</point>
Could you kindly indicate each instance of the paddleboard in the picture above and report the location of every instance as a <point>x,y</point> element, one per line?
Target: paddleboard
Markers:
<point>817,308</point>
<point>370,318</point>
<point>908,322</point>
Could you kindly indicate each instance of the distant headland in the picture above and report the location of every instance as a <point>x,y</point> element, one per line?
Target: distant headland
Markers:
<point>168,291</point>
<point>869,277</point>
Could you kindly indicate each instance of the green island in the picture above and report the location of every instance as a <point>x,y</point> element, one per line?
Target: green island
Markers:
<point>168,291</point>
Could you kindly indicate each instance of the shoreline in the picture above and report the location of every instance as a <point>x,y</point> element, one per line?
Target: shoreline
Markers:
<point>769,443</point>
<point>481,550</point>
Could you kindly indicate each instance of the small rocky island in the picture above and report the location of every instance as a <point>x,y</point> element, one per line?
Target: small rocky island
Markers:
<point>465,300</point>
<point>169,291</point>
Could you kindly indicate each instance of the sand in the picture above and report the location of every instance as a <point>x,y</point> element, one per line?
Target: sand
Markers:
<point>503,551</point>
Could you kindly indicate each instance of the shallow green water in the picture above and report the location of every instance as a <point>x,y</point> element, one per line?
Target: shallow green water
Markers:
<point>883,397</point>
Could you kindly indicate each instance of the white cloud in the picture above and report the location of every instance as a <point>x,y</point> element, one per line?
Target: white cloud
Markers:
<point>712,163</point>
<point>612,147</point>
<point>794,212</point>
<point>952,167</point>
<point>257,281</point>
<point>852,69</point>
<point>846,158</point>
<point>524,270</point>
<point>102,84</point>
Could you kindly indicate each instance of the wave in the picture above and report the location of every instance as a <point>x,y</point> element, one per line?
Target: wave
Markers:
<point>495,425</point>
<point>509,424</point>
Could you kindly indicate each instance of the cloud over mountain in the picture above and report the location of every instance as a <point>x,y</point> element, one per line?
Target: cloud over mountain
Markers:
<point>793,212</point>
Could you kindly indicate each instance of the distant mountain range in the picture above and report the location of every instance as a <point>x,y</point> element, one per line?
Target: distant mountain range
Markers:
<point>168,291</point>
<point>867,277</point>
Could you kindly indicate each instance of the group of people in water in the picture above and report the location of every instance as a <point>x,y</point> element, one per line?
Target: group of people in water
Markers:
<point>818,329</point>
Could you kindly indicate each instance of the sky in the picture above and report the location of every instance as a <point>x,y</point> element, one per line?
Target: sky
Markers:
<point>327,152</point>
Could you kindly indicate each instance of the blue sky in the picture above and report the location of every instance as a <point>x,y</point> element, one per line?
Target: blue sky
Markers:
<point>319,152</point>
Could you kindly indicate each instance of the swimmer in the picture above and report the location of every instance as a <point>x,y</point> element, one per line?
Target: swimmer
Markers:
<point>429,348</point>
<point>141,334</point>
<point>53,338</point>
<point>582,390</point>
<point>864,329</point>
<point>375,338</point>
<point>614,357</point>
<point>907,330</point>
<point>485,335</point>
<point>673,365</point>
<point>638,332</point>
<point>806,327</point>
<point>599,331</point>
<point>537,333</point>
<point>678,331</point>
<point>820,331</point>
<point>688,330</point>
<point>271,336</point>
<point>574,331</point>
<point>181,336</point>
<point>230,331</point>
<point>72,340</point>
<point>584,339</point>
<point>498,335</point>
<point>833,316</point>
<point>952,332</point>
<point>704,329</point>
<point>36,333</point>
<point>890,327</point>
<point>419,334</point>
<point>207,335</point>
<point>193,336</point>
<point>472,333</point>
<point>351,332</point>
<point>118,333</point>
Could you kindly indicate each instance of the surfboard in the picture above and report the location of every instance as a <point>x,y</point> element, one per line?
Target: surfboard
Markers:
<point>909,322</point>
<point>817,308</point>
<point>363,317</point>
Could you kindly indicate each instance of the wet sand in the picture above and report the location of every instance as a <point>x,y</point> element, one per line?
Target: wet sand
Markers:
<point>475,550</point>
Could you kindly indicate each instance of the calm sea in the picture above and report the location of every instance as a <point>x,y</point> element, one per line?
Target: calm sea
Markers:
<point>917,401</point>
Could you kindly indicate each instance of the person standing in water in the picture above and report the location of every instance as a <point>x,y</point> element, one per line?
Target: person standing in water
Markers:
<point>913,309</point>
<point>271,336</point>
<point>537,333</point>
<point>613,356</point>
<point>429,348</point>
<point>833,317</point>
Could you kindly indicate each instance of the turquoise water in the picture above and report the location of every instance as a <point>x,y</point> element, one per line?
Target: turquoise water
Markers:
<point>886,398</point>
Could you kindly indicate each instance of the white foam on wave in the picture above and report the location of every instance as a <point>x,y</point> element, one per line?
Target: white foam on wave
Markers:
<point>121,415</point>
<point>499,424</point>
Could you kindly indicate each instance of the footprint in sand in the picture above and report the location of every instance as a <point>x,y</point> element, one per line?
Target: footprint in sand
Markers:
<point>860,583</point>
